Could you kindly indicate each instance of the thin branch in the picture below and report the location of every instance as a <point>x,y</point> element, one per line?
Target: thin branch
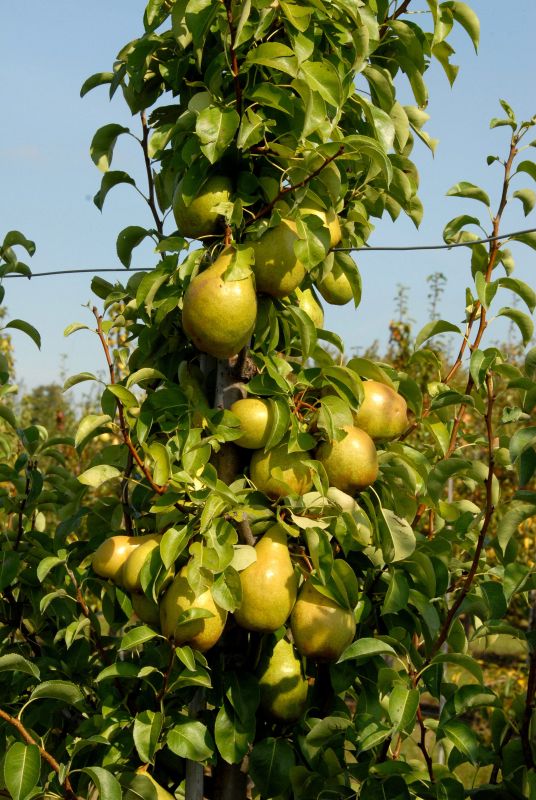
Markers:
<point>530,700</point>
<point>151,200</point>
<point>23,502</point>
<point>234,60</point>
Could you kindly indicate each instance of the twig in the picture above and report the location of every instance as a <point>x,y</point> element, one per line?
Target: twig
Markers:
<point>244,531</point>
<point>23,502</point>
<point>422,745</point>
<point>151,201</point>
<point>234,60</point>
<point>398,13</point>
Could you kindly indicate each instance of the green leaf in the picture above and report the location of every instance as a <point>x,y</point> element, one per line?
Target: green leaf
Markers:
<point>76,326</point>
<point>370,370</point>
<point>135,637</point>
<point>144,374</point>
<point>103,143</point>
<point>270,765</point>
<point>529,167</point>
<point>216,128</point>
<point>366,648</point>
<point>521,289</point>
<point>147,729</point>
<point>466,189</point>
<point>127,398</point>
<point>518,511</point>
<point>275,56</point>
<point>322,77</point>
<point>98,79</point>
<point>526,238</point>
<point>141,787</point>
<point>79,378</point>
<point>434,328</point>
<point>25,327</point>
<point>453,228</point>
<point>522,320</point>
<point>95,476</point>
<point>88,425</point>
<point>128,239</point>
<point>467,18</point>
<point>461,660</point>
<point>462,737</point>
<point>22,767</point>
<point>172,544</point>
<point>9,567</point>
<point>14,238</point>
<point>528,199</point>
<point>109,180</point>
<point>398,539</point>
<point>7,414</point>
<point>190,739</point>
<point>233,736</point>
<point>13,662</point>
<point>65,691</point>
<point>107,785</point>
<point>403,705</point>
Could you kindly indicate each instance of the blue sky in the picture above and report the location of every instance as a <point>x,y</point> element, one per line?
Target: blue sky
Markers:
<point>47,179</point>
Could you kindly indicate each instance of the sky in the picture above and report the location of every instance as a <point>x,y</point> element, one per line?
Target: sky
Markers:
<point>47,179</point>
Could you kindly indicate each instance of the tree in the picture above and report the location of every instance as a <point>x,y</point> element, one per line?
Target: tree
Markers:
<point>271,120</point>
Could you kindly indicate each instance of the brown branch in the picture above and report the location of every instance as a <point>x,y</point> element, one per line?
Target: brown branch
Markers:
<point>234,60</point>
<point>245,533</point>
<point>422,745</point>
<point>46,756</point>
<point>151,200</point>
<point>398,13</point>
<point>530,701</point>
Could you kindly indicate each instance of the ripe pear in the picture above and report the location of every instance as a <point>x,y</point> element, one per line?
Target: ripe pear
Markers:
<point>269,585</point>
<point>329,219</point>
<point>200,217</point>
<point>131,572</point>
<point>109,557</point>
<point>278,472</point>
<point>308,303</point>
<point>201,634</point>
<point>161,793</point>
<point>335,287</point>
<point>217,315</point>
<point>351,463</point>
<point>383,414</point>
<point>282,682</point>
<point>277,269</point>
<point>145,609</point>
<point>255,419</point>
<point>321,628</point>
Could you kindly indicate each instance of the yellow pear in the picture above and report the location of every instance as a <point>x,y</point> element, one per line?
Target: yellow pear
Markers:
<point>255,419</point>
<point>282,682</point>
<point>329,218</point>
<point>201,634</point>
<point>269,585</point>
<point>200,218</point>
<point>383,414</point>
<point>335,287</point>
<point>131,572</point>
<point>277,269</point>
<point>321,628</point>
<point>308,303</point>
<point>351,463</point>
<point>109,557</point>
<point>217,315</point>
<point>146,609</point>
<point>278,472</point>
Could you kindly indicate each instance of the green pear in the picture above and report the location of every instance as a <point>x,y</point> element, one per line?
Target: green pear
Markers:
<point>277,269</point>
<point>329,219</point>
<point>278,472</point>
<point>351,463</point>
<point>108,559</point>
<point>255,420</point>
<point>201,634</point>
<point>321,628</point>
<point>383,414</point>
<point>269,585</point>
<point>131,572</point>
<point>308,303</point>
<point>335,287</point>
<point>217,315</point>
<point>200,218</point>
<point>146,609</point>
<point>282,682</point>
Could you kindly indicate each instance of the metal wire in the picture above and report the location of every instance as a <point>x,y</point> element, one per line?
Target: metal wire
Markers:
<point>363,249</point>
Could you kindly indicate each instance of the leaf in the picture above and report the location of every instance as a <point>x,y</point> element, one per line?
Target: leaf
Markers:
<point>8,415</point>
<point>322,77</point>
<point>526,238</point>
<point>65,691</point>
<point>370,370</point>
<point>398,539</point>
<point>528,199</point>
<point>88,425</point>
<point>461,660</point>
<point>466,189</point>
<point>215,128</point>
<point>97,79</point>
<point>78,378</point>
<point>103,143</point>
<point>455,225</point>
<point>9,567</point>
<point>521,289</point>
<point>522,320</point>
<point>109,180</point>
<point>147,729</point>
<point>22,766</point>
<point>190,739</point>
<point>26,328</point>
<point>462,737</point>
<point>275,56</point>
<point>107,785</point>
<point>467,18</point>
<point>13,662</point>
<point>127,398</point>
<point>14,238</point>
<point>270,764</point>
<point>135,637</point>
<point>403,705</point>
<point>144,374</point>
<point>433,329</point>
<point>233,737</point>
<point>95,476</point>
<point>529,167</point>
<point>129,238</point>
<point>365,648</point>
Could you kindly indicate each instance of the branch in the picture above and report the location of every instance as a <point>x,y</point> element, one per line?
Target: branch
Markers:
<point>23,502</point>
<point>530,701</point>
<point>398,13</point>
<point>234,60</point>
<point>51,761</point>
<point>151,200</point>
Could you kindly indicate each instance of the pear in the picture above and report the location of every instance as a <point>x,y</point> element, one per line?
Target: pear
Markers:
<point>109,557</point>
<point>351,463</point>
<point>278,472</point>
<point>145,609</point>
<point>383,414</point>
<point>269,585</point>
<point>277,269</point>
<point>282,683</point>
<point>131,572</point>
<point>335,287</point>
<point>201,634</point>
<point>321,628</point>
<point>217,315</point>
<point>308,303</point>
<point>255,419</point>
<point>329,219</point>
<point>200,217</point>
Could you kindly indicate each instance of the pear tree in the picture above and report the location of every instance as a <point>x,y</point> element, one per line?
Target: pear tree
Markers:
<point>269,584</point>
